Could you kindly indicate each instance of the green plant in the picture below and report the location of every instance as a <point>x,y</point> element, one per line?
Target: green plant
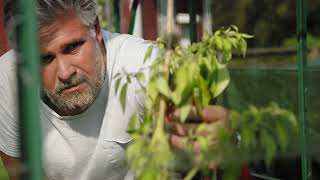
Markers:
<point>195,76</point>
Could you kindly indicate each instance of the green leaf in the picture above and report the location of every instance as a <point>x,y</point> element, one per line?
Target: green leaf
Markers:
<point>235,28</point>
<point>148,53</point>
<point>243,46</point>
<point>185,111</point>
<point>197,99</point>
<point>140,76</point>
<point>163,86</point>
<point>116,75</point>
<point>269,147</point>
<point>128,78</point>
<point>204,143</point>
<point>123,96</point>
<point>213,87</point>
<point>246,137</point>
<point>282,136</point>
<point>246,36</point>
<point>204,92</point>
<point>117,85</point>
<point>152,89</point>
<point>227,56</point>
<point>226,44</point>
<point>234,42</point>
<point>223,79</point>
<point>135,124</point>
<point>183,87</point>
<point>219,42</point>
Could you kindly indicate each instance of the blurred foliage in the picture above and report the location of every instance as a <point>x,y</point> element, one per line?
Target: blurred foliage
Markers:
<point>101,13</point>
<point>3,172</point>
<point>312,41</point>
<point>193,76</point>
<point>271,21</point>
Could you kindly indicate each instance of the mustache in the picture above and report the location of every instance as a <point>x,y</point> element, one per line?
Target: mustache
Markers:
<point>72,81</point>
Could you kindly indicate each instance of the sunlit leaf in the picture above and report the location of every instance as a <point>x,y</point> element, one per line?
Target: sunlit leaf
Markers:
<point>116,75</point>
<point>223,79</point>
<point>204,91</point>
<point>117,85</point>
<point>185,111</point>
<point>140,76</point>
<point>235,28</point>
<point>123,96</point>
<point>219,42</point>
<point>148,53</point>
<point>134,124</point>
<point>246,36</point>
<point>243,46</point>
<point>226,44</point>
<point>163,87</point>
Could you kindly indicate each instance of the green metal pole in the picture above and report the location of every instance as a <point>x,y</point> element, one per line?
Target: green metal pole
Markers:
<point>116,10</point>
<point>301,62</point>
<point>29,91</point>
<point>192,23</point>
<point>133,15</point>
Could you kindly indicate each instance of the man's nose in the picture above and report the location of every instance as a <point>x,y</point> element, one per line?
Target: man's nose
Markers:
<point>65,69</point>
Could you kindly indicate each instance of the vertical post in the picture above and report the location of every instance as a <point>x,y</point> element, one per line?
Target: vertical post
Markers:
<point>29,83</point>
<point>193,22</point>
<point>207,16</point>
<point>301,61</point>
<point>150,18</point>
<point>116,10</point>
<point>133,15</point>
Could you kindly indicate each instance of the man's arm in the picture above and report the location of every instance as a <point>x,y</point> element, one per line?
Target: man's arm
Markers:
<point>11,164</point>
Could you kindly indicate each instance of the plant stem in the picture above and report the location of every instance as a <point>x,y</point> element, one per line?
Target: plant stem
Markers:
<point>191,173</point>
<point>163,105</point>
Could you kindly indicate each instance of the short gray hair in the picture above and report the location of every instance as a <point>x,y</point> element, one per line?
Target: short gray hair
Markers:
<point>48,10</point>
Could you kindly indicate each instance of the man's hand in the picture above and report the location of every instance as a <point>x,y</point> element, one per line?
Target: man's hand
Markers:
<point>211,120</point>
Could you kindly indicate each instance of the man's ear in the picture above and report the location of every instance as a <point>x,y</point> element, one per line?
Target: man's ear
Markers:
<point>98,31</point>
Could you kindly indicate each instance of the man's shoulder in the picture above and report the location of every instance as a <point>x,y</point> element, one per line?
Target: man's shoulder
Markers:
<point>127,51</point>
<point>120,41</point>
<point>8,61</point>
<point>8,66</point>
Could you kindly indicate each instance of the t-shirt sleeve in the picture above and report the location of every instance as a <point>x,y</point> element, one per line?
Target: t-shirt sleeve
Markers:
<point>9,128</point>
<point>128,54</point>
<point>137,48</point>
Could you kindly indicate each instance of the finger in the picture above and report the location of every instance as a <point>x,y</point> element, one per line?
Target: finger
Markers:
<point>180,129</point>
<point>183,143</point>
<point>213,113</point>
<point>209,114</point>
<point>179,142</point>
<point>211,129</point>
<point>175,128</point>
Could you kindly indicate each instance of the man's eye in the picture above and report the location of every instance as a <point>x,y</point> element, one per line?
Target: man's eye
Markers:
<point>70,48</point>
<point>47,59</point>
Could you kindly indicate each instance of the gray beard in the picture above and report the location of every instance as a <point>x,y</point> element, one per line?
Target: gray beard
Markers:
<point>76,102</point>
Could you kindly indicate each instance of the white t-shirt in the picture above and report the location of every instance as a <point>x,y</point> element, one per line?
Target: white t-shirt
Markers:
<point>91,145</point>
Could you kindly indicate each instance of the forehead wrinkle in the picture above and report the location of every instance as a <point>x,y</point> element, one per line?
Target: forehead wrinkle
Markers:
<point>70,25</point>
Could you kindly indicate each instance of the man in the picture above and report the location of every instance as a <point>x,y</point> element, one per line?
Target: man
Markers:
<point>83,126</point>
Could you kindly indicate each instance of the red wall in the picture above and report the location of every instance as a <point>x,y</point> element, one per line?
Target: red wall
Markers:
<point>3,38</point>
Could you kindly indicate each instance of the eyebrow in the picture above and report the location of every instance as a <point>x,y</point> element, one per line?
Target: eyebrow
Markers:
<point>72,41</point>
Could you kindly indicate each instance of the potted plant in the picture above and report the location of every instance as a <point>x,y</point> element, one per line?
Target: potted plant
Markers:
<point>193,76</point>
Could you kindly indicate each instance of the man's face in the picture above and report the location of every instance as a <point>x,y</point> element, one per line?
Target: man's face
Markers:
<point>73,65</point>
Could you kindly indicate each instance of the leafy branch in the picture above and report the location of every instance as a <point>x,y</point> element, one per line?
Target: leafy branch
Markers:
<point>194,76</point>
